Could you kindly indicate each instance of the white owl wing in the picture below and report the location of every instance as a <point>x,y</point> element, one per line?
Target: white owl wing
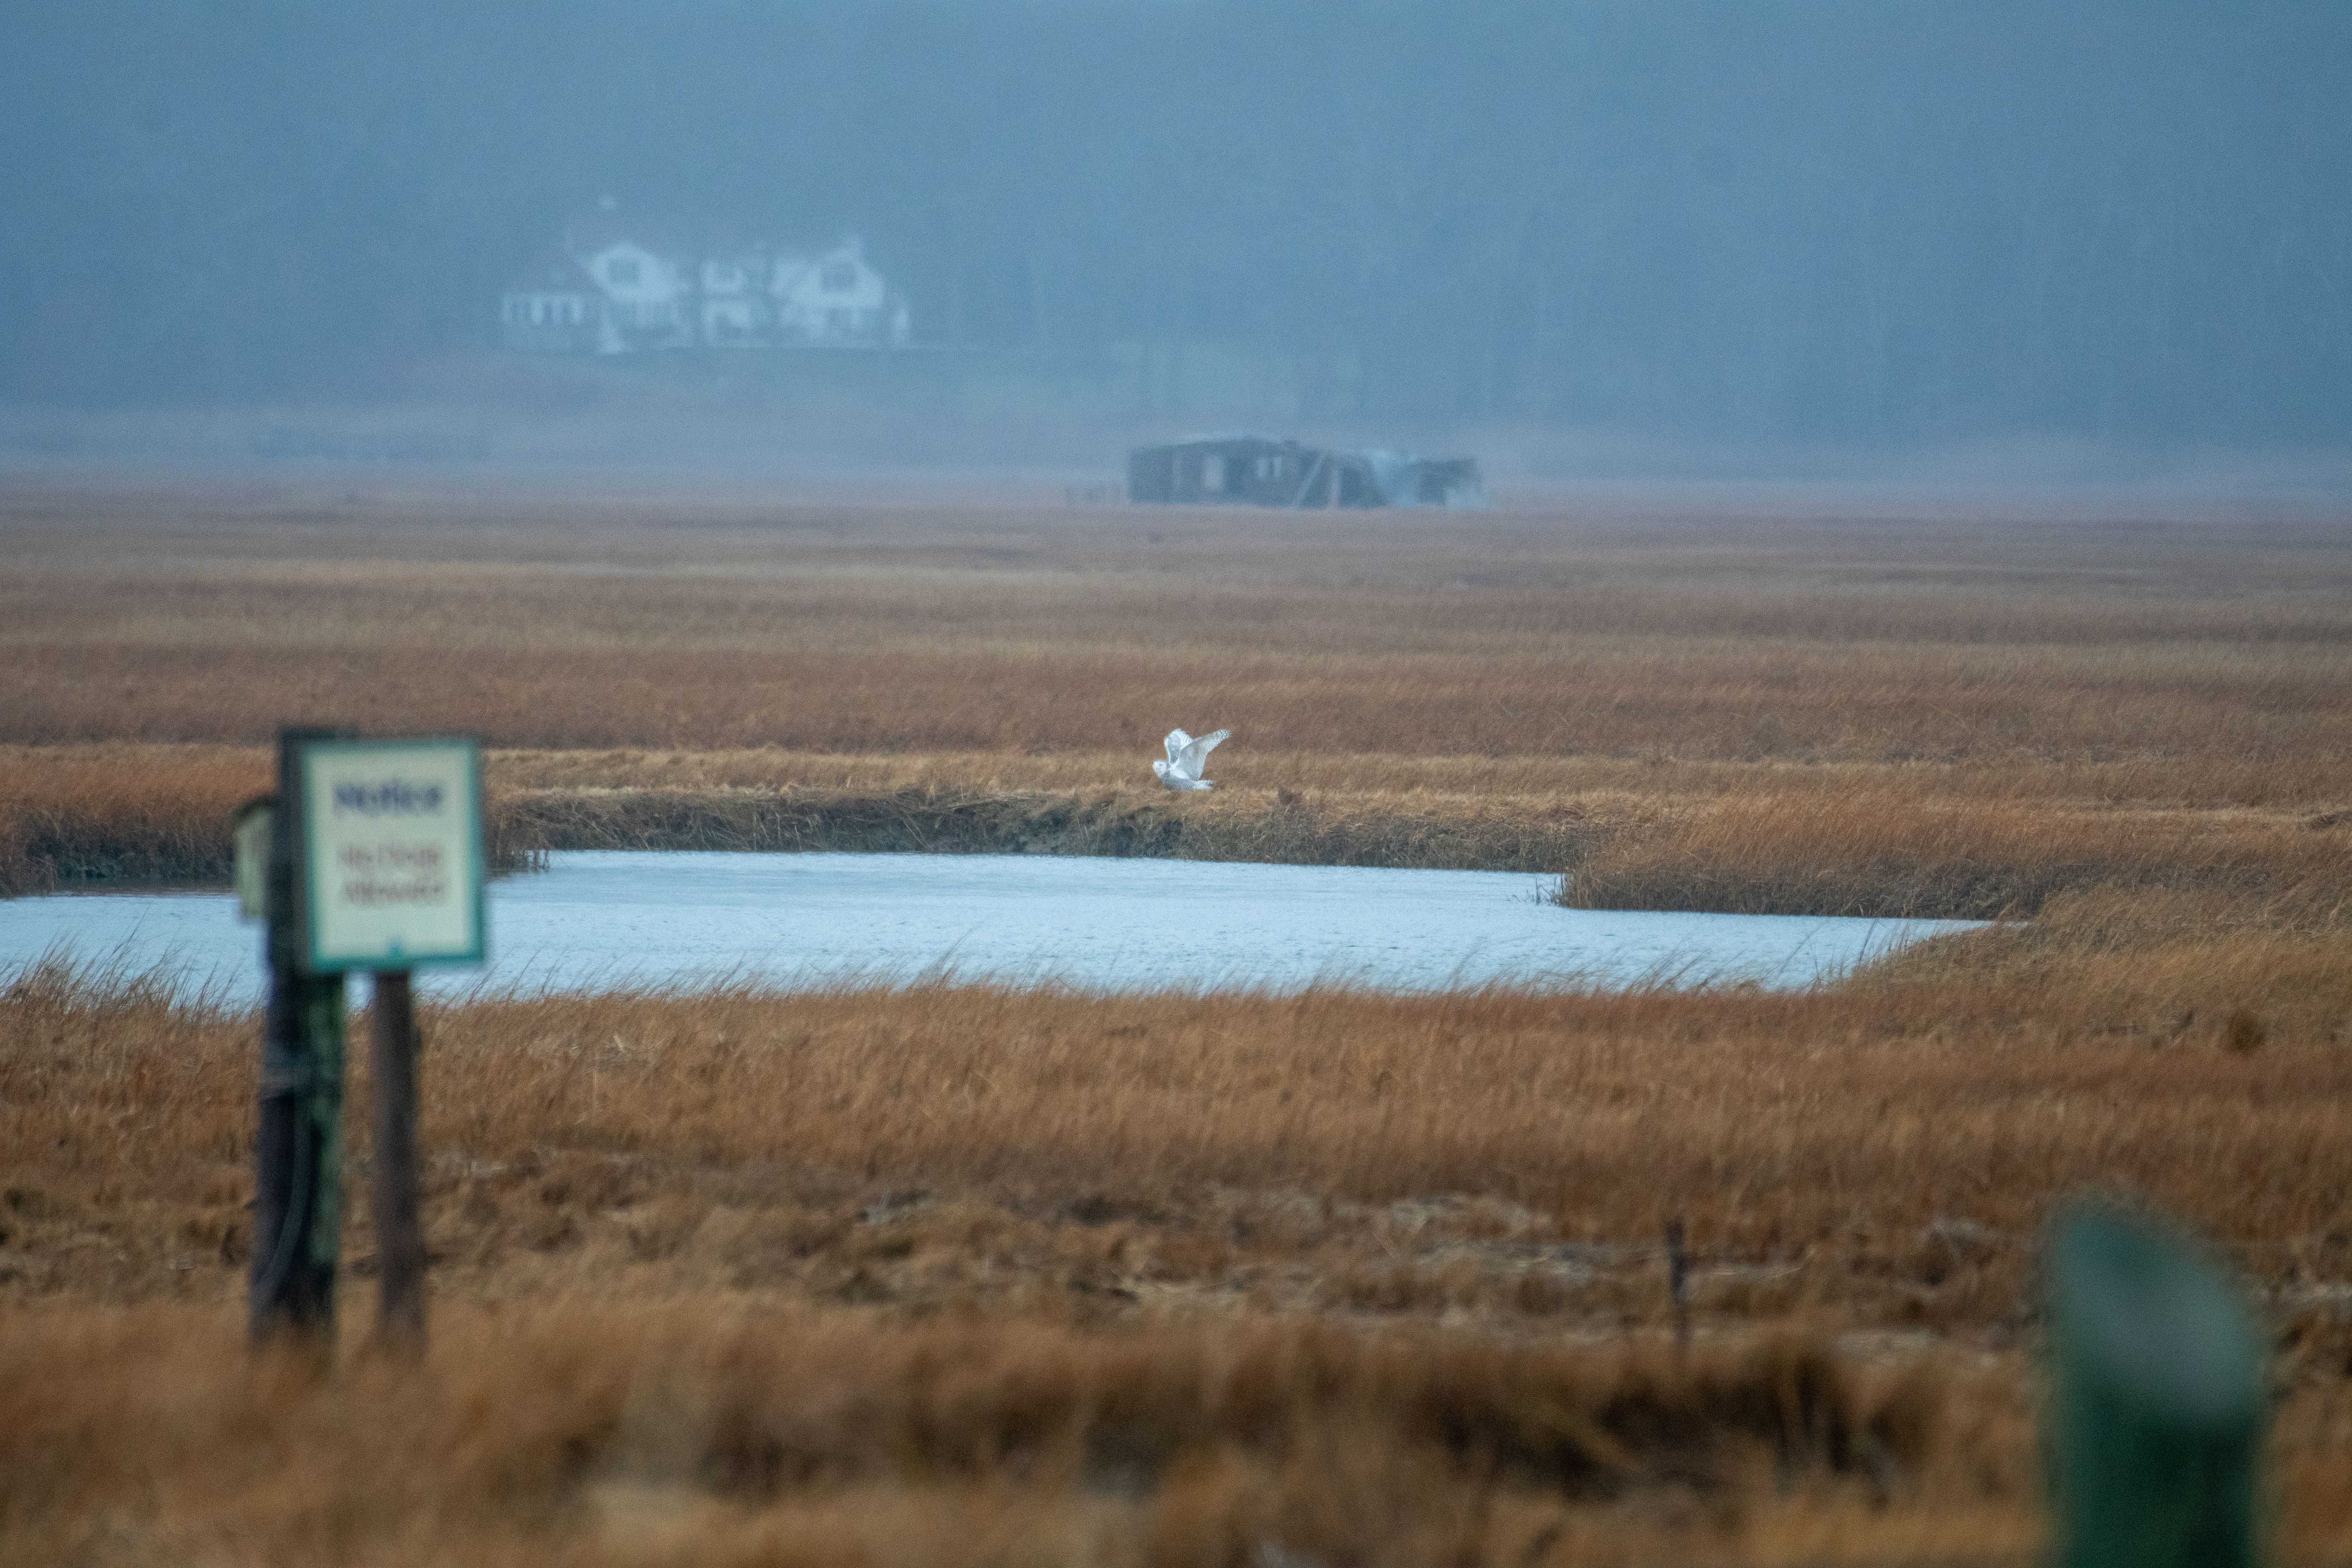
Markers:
<point>1196,752</point>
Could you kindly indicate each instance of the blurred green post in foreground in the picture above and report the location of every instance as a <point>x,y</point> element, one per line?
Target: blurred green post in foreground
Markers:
<point>2157,1399</point>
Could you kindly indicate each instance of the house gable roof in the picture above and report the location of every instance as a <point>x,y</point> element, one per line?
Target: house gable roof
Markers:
<point>625,248</point>
<point>803,276</point>
<point>593,233</point>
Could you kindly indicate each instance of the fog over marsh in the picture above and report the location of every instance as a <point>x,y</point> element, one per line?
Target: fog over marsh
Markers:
<point>1868,225</point>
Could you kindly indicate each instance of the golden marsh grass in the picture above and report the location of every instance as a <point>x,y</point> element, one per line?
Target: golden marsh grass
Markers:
<point>699,621</point>
<point>961,1274</point>
<point>756,1261</point>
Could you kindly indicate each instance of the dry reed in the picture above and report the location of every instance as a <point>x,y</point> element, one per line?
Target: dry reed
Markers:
<point>961,1274</point>
<point>688,622</point>
<point>1875,850</point>
<point>1170,1279</point>
<point>590,1434</point>
<point>1887,1148</point>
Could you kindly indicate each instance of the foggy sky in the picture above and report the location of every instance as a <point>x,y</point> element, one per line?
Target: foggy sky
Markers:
<point>1863,221</point>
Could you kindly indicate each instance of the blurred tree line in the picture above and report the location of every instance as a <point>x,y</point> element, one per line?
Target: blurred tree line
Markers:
<point>1869,221</point>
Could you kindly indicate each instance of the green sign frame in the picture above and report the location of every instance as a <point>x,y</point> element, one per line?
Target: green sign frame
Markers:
<point>391,867</point>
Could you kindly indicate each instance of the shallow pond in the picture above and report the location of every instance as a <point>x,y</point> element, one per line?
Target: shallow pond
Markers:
<point>599,919</point>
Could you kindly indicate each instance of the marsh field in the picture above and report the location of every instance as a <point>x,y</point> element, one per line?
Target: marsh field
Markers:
<point>969,1274</point>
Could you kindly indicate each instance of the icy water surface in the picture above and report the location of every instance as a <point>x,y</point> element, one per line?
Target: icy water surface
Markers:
<point>598,919</point>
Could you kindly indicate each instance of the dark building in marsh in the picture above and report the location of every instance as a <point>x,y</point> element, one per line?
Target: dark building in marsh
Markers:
<point>1256,471</point>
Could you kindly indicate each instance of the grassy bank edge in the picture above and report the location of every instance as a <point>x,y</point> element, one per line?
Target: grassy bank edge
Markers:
<point>1774,841</point>
<point>1885,853</point>
<point>79,826</point>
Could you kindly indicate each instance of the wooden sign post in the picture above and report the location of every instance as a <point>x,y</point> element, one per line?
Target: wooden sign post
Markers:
<point>298,1147</point>
<point>375,862</point>
<point>2157,1399</point>
<point>399,1231</point>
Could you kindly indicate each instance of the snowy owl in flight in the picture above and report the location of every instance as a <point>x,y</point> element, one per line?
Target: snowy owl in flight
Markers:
<point>1186,758</point>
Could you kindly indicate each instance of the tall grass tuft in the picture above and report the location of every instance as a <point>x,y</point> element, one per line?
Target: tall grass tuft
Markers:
<point>691,1432</point>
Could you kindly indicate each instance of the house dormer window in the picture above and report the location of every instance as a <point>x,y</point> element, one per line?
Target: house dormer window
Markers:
<point>619,270</point>
<point>840,277</point>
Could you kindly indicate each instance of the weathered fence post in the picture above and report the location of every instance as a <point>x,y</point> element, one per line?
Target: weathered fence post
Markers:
<point>1679,1282</point>
<point>2157,1399</point>
<point>298,1151</point>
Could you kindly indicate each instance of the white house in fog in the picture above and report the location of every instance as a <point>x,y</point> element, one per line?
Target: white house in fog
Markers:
<point>836,297</point>
<point>734,312</point>
<point>647,295</point>
<point>555,308</point>
<point>616,286</point>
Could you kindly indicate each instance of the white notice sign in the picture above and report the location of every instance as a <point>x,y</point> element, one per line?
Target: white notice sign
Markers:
<point>393,853</point>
